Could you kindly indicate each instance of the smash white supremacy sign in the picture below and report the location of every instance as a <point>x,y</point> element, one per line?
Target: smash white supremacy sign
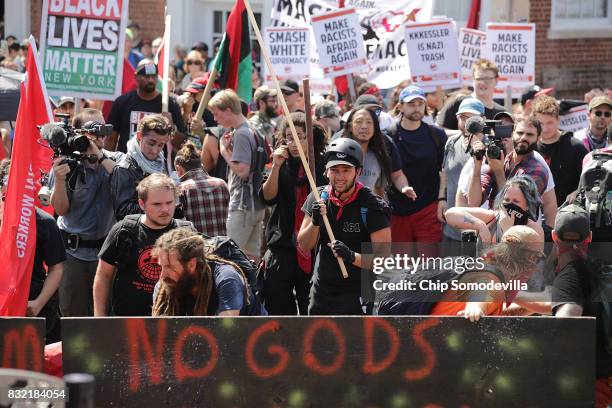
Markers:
<point>339,42</point>
<point>289,49</point>
<point>433,54</point>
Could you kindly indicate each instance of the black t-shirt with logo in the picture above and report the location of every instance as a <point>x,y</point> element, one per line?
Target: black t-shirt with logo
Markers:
<point>128,109</point>
<point>350,229</point>
<point>564,157</point>
<point>137,270</point>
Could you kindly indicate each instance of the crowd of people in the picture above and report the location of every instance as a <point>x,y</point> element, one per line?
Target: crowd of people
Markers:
<point>131,236</point>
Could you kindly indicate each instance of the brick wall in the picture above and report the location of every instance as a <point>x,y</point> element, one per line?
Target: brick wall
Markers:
<point>148,13</point>
<point>571,66</point>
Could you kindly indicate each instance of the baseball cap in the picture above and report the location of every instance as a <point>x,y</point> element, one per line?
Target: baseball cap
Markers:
<point>410,93</point>
<point>65,99</point>
<point>365,99</point>
<point>500,115</point>
<point>534,91</point>
<point>146,67</point>
<point>471,105</point>
<point>572,223</point>
<point>597,101</point>
<point>326,108</point>
<point>263,92</point>
<point>200,46</point>
<point>198,84</point>
<point>289,85</point>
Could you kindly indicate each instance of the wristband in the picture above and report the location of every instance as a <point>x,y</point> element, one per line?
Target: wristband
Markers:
<point>101,159</point>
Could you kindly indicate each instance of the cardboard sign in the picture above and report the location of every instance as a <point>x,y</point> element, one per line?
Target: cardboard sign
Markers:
<point>289,50</point>
<point>577,119</point>
<point>433,54</point>
<point>334,361</point>
<point>22,342</point>
<point>339,42</point>
<point>471,44</point>
<point>382,27</point>
<point>512,47</point>
<point>82,47</point>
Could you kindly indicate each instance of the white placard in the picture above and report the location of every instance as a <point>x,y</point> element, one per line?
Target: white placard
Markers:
<point>339,42</point>
<point>433,53</point>
<point>576,119</point>
<point>512,47</point>
<point>289,49</point>
<point>471,44</point>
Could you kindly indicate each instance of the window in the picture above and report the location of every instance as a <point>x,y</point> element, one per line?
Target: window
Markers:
<point>219,23</point>
<point>458,10</point>
<point>581,15</point>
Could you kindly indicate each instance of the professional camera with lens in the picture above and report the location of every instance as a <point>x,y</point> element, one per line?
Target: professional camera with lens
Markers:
<point>65,141</point>
<point>493,146</point>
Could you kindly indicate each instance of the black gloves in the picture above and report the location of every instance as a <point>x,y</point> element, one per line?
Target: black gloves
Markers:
<point>343,251</point>
<point>317,217</point>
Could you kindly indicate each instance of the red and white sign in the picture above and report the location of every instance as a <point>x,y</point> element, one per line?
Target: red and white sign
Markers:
<point>512,47</point>
<point>339,42</point>
<point>433,54</point>
<point>576,119</point>
<point>289,50</point>
<point>471,44</point>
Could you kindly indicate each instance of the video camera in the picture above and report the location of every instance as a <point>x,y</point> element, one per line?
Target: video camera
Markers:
<point>493,144</point>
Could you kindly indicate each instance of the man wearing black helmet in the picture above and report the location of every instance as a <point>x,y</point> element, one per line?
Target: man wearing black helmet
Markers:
<point>356,216</point>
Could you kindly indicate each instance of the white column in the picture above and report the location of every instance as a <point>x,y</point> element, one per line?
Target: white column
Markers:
<point>17,18</point>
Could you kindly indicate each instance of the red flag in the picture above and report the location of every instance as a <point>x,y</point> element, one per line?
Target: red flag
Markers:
<point>18,231</point>
<point>128,84</point>
<point>473,19</point>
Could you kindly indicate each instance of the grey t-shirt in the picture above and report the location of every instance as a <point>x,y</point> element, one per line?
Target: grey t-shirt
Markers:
<point>243,193</point>
<point>371,171</point>
<point>455,158</point>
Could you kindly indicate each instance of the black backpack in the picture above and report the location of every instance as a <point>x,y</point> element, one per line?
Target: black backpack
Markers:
<point>421,302</point>
<point>226,248</point>
<point>595,195</point>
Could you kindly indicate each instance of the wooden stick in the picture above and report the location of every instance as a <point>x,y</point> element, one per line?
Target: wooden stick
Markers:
<point>351,89</point>
<point>166,64</point>
<point>206,96</point>
<point>309,129</point>
<point>281,98</point>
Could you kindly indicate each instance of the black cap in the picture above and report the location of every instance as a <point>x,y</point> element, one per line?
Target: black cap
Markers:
<point>572,224</point>
<point>366,99</point>
<point>200,46</point>
<point>146,67</point>
<point>289,85</point>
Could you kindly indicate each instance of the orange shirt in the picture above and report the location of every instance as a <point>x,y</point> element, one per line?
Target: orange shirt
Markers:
<point>452,302</point>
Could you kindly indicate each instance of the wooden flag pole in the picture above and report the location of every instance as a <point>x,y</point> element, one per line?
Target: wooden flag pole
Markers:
<point>309,128</point>
<point>281,98</point>
<point>207,90</point>
<point>165,90</point>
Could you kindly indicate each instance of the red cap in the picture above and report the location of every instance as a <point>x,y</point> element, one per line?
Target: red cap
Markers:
<point>544,91</point>
<point>198,84</point>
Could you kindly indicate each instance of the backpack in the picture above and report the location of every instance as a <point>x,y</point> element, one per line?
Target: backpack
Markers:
<point>421,302</point>
<point>595,195</point>
<point>128,231</point>
<point>226,248</point>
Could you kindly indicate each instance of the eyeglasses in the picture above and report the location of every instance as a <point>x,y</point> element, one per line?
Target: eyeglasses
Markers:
<point>484,79</point>
<point>605,114</point>
<point>190,62</point>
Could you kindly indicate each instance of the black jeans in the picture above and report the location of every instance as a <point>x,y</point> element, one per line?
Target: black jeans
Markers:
<point>283,276</point>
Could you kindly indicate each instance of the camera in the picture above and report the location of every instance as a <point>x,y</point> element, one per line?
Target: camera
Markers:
<point>493,144</point>
<point>97,129</point>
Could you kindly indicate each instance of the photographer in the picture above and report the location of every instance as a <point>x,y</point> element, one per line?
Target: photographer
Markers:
<point>521,161</point>
<point>81,198</point>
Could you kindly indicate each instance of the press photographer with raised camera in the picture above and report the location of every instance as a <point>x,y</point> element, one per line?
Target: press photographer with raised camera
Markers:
<point>80,194</point>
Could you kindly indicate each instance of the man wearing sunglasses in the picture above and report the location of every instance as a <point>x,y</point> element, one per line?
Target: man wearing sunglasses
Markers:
<point>85,214</point>
<point>596,136</point>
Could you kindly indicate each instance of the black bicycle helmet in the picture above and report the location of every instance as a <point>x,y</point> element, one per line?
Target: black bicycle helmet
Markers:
<point>343,151</point>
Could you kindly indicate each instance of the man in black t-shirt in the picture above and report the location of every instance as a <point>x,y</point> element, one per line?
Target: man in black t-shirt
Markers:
<point>43,299</point>
<point>126,264</point>
<point>356,215</point>
<point>129,108</point>
<point>562,152</point>
<point>485,75</point>
<point>580,290</point>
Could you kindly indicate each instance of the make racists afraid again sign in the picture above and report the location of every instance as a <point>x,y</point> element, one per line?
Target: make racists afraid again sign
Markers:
<point>82,47</point>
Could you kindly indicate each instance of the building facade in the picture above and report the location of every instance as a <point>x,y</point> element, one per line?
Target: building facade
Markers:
<point>573,38</point>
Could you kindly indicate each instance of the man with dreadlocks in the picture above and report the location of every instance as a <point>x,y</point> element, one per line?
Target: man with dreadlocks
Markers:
<point>194,282</point>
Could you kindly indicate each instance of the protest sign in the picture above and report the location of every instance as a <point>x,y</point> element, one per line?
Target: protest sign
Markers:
<point>339,42</point>
<point>333,361</point>
<point>82,47</point>
<point>289,50</point>
<point>22,341</point>
<point>576,119</point>
<point>471,43</point>
<point>512,47</point>
<point>382,26</point>
<point>433,54</point>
